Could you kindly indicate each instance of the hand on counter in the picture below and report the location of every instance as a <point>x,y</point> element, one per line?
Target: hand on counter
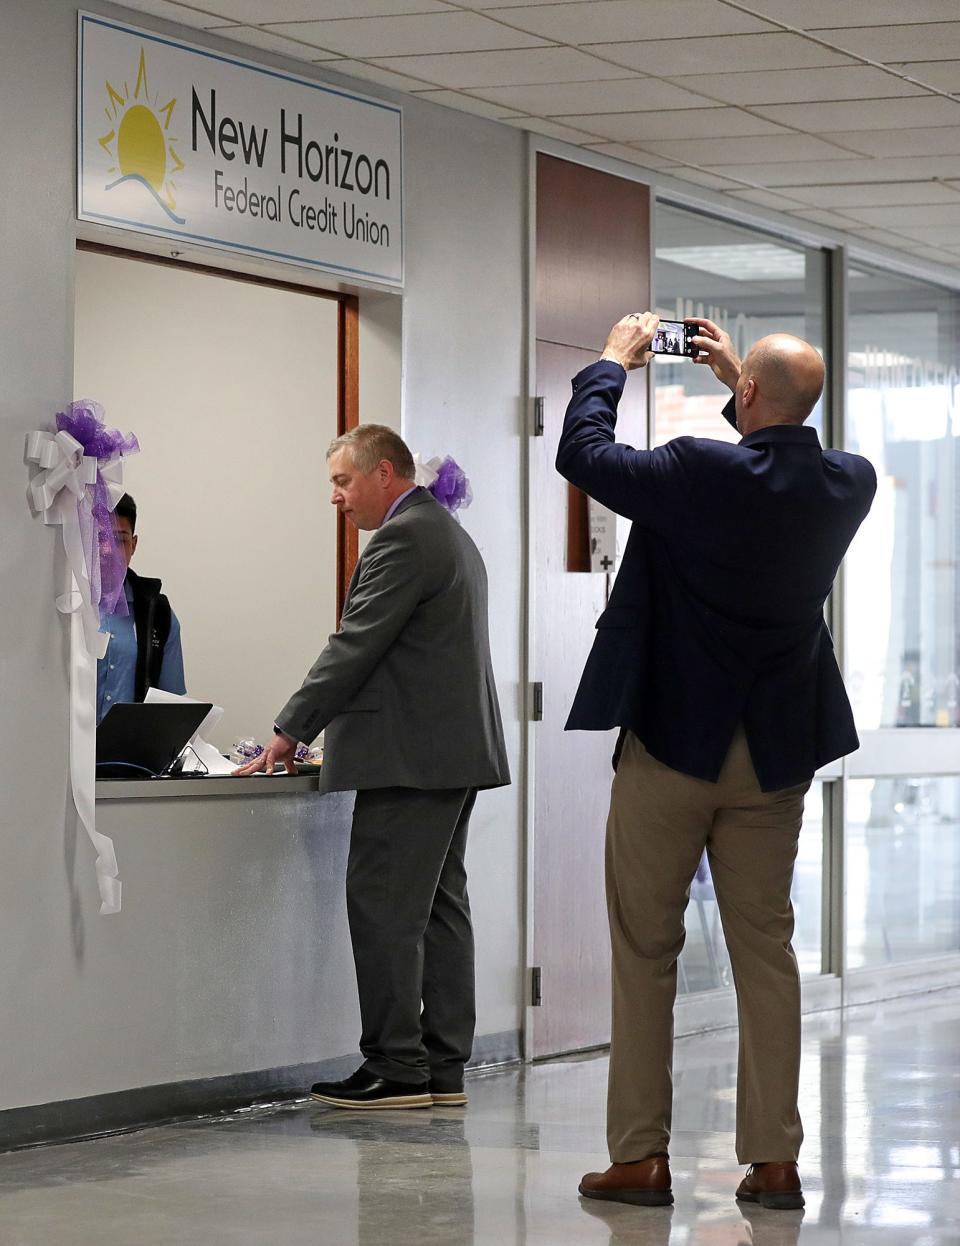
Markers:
<point>280,749</point>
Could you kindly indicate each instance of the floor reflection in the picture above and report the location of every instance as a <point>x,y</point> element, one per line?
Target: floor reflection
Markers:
<point>880,1098</point>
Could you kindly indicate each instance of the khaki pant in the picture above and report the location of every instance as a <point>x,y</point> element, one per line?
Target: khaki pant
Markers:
<point>660,822</point>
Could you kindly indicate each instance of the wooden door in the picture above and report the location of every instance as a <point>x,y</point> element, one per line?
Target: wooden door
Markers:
<point>592,268</point>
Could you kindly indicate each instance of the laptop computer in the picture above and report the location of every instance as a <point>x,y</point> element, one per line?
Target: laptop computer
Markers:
<point>142,741</point>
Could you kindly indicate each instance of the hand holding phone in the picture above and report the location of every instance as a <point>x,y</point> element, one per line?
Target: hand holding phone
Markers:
<point>628,342</point>
<point>714,347</point>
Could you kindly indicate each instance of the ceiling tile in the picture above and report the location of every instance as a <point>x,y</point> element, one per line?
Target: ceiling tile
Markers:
<point>602,21</point>
<point>379,75</point>
<point>833,220</point>
<point>930,233</point>
<point>559,99</point>
<point>923,110</point>
<point>202,19</point>
<point>699,123</point>
<point>885,237</point>
<point>704,123</point>
<point>787,85</point>
<point>913,215</point>
<point>877,194</point>
<point>764,199</point>
<point>633,155</point>
<point>748,151</point>
<point>822,14</point>
<point>938,255</point>
<point>467,70</point>
<point>943,140</point>
<point>265,12</point>
<point>942,75</point>
<point>694,55</point>
<point>923,42</point>
<point>428,33</point>
<point>466,103</point>
<point>789,173</point>
<point>658,16</point>
<point>702,177</point>
<point>496,5</point>
<point>266,40</point>
<point>540,125</point>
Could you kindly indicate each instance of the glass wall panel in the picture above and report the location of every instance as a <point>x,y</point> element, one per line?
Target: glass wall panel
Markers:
<point>704,963</point>
<point>902,589</point>
<point>902,870</point>
<point>749,283</point>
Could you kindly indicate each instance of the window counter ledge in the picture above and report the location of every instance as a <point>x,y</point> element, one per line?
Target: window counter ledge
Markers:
<point>164,789</point>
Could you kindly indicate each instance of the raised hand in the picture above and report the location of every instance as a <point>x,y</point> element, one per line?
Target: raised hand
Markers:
<point>629,339</point>
<point>717,351</point>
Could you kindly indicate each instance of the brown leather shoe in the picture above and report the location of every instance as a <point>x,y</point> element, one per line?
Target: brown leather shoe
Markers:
<point>775,1185</point>
<point>645,1183</point>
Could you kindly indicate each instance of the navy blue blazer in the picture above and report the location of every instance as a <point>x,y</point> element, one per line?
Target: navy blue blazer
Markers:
<point>716,615</point>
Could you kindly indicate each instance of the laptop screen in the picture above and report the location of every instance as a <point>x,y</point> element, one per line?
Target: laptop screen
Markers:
<point>140,741</point>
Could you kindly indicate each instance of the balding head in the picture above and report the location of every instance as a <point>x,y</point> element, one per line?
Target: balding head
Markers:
<point>780,382</point>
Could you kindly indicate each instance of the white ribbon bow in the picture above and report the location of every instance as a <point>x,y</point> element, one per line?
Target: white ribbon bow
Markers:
<point>426,473</point>
<point>63,466</point>
<point>111,473</point>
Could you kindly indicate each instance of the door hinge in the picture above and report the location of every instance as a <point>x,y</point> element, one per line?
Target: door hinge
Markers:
<point>536,986</point>
<point>536,702</point>
<point>538,418</point>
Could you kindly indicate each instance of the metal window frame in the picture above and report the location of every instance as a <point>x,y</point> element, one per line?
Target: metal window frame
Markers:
<point>884,753</point>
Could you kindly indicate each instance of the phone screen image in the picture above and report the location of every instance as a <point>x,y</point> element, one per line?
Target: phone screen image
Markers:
<point>671,338</point>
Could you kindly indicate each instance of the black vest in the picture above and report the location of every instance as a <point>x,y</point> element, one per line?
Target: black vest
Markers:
<point>151,618</point>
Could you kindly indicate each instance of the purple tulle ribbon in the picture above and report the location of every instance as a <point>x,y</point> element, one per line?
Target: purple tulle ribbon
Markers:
<point>451,487</point>
<point>83,420</point>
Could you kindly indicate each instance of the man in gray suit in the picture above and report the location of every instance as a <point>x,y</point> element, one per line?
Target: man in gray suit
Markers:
<point>405,691</point>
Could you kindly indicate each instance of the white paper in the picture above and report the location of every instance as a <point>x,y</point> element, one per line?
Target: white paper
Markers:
<point>203,751</point>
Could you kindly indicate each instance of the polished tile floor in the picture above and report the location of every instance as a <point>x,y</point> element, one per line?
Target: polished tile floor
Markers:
<point>880,1101</point>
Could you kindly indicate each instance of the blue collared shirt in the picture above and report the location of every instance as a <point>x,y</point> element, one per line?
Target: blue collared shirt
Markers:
<point>117,670</point>
<point>396,502</point>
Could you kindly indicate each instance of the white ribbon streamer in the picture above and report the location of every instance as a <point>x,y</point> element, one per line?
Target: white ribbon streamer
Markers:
<point>59,493</point>
<point>83,762</point>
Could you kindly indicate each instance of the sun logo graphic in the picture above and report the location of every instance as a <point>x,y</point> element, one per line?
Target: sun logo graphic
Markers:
<point>138,141</point>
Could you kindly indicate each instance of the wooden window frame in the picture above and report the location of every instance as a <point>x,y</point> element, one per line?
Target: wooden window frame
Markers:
<point>348,367</point>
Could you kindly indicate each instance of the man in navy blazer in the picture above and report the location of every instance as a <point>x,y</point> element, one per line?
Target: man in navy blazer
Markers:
<point>714,659</point>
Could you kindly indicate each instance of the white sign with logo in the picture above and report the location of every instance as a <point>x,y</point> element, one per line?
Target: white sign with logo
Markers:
<point>603,537</point>
<point>180,141</point>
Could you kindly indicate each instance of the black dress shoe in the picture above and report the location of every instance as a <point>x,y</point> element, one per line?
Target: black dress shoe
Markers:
<point>448,1094</point>
<point>366,1090</point>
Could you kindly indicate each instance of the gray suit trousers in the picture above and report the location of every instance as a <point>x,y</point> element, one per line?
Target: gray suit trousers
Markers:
<point>410,927</point>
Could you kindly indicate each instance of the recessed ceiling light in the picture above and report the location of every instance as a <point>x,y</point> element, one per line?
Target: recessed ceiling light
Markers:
<point>750,261</point>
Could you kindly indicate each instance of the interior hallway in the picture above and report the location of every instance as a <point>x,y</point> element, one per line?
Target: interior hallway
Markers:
<point>880,1099</point>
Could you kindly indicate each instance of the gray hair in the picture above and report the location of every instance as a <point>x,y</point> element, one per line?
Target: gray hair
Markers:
<point>369,444</point>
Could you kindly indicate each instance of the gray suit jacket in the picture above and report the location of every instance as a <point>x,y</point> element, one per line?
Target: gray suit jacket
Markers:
<point>405,688</point>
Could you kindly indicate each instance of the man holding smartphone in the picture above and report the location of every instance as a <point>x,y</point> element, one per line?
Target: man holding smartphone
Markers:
<point>714,660</point>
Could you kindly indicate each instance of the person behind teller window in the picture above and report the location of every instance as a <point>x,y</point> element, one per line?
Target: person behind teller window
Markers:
<point>714,660</point>
<point>144,648</point>
<point>405,695</point>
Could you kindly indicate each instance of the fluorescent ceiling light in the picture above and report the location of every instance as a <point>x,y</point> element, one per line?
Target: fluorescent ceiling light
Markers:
<point>750,261</point>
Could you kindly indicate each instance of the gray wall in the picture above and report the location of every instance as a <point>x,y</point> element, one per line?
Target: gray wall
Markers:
<point>231,951</point>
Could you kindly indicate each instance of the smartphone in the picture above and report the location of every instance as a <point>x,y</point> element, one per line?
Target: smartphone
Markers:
<point>673,338</point>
